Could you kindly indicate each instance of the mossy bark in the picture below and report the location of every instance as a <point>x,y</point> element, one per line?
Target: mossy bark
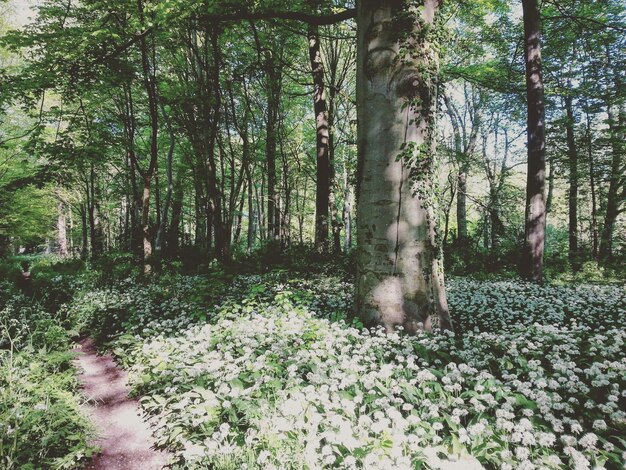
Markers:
<point>399,274</point>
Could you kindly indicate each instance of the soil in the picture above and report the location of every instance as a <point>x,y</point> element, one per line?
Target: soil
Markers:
<point>123,437</point>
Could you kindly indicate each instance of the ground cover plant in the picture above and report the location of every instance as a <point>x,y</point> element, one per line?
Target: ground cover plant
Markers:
<point>273,375</point>
<point>42,424</point>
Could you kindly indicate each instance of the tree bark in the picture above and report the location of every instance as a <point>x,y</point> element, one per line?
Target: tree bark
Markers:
<point>617,187</point>
<point>84,247</point>
<point>222,239</point>
<point>535,226</point>
<point>550,186</point>
<point>399,273</point>
<point>61,231</point>
<point>173,232</point>
<point>161,229</point>
<point>148,57</point>
<point>592,183</point>
<point>573,183</point>
<point>93,204</point>
<point>322,141</point>
<point>347,212</point>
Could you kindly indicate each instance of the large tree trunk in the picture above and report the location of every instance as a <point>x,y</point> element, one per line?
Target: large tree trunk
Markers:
<point>322,141</point>
<point>399,273</point>
<point>535,226</point>
<point>573,183</point>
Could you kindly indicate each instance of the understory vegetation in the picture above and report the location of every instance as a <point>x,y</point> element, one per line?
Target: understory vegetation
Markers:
<point>269,370</point>
<point>42,424</point>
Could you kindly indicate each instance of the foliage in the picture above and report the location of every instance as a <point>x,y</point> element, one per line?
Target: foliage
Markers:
<point>134,308</point>
<point>41,422</point>
<point>266,380</point>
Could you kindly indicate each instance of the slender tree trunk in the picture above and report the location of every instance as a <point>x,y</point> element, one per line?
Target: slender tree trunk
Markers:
<point>61,231</point>
<point>148,57</point>
<point>335,217</point>
<point>251,211</point>
<point>239,217</point>
<point>399,274</point>
<point>347,212</point>
<point>84,249</point>
<point>322,141</point>
<point>145,227</point>
<point>222,239</point>
<point>461,211</point>
<point>93,203</point>
<point>616,177</point>
<point>175,223</point>
<point>447,216</point>
<point>550,186</point>
<point>161,229</point>
<point>573,183</point>
<point>535,226</point>
<point>273,105</point>
<point>592,183</point>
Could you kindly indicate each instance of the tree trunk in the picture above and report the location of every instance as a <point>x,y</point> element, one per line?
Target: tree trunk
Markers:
<point>322,141</point>
<point>93,204</point>
<point>175,223</point>
<point>592,182</point>
<point>251,211</point>
<point>535,226</point>
<point>399,274</point>
<point>148,57</point>
<point>550,186</point>
<point>84,248</point>
<point>161,229</point>
<point>573,183</point>
<point>273,104</point>
<point>222,239</point>
<point>347,213</point>
<point>613,198</point>
<point>145,227</point>
<point>61,231</point>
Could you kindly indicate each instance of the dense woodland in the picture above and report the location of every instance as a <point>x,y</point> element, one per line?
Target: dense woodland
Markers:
<point>252,206</point>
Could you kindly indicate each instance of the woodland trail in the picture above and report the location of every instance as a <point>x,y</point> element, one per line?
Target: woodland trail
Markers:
<point>124,438</point>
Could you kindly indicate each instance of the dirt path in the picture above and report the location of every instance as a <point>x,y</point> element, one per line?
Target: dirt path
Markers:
<point>124,438</point>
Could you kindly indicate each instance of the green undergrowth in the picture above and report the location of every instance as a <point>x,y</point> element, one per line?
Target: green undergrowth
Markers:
<point>42,425</point>
<point>266,372</point>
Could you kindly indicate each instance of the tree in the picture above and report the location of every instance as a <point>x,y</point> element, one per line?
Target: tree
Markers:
<point>535,226</point>
<point>399,274</point>
<point>322,140</point>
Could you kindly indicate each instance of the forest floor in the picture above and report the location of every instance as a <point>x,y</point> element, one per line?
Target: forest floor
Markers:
<point>265,371</point>
<point>123,437</point>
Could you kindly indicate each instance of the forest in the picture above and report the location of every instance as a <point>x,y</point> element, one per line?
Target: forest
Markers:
<point>312,234</point>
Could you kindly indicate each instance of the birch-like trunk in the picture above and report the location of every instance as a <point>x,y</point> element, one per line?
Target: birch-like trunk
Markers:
<point>62,231</point>
<point>399,273</point>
